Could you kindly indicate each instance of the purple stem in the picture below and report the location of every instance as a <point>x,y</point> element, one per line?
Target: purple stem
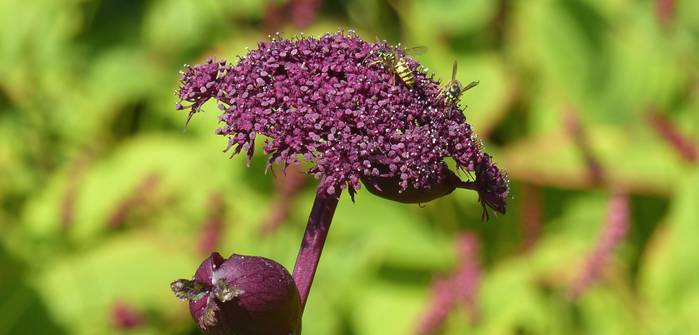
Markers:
<point>313,241</point>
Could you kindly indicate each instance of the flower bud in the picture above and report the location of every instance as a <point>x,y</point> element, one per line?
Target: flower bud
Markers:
<point>389,187</point>
<point>242,295</point>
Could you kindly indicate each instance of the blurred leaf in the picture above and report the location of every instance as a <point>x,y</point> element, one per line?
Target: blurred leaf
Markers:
<point>118,79</point>
<point>22,310</point>
<point>35,37</point>
<point>550,41</point>
<point>174,25</point>
<point>668,279</point>
<point>688,120</point>
<point>609,8</point>
<point>107,184</point>
<point>643,72</point>
<point>537,281</point>
<point>14,161</point>
<point>139,268</point>
<point>435,17</point>
<point>487,103</point>
<point>607,311</point>
<point>372,220</point>
<point>509,283</point>
<point>388,309</point>
<point>24,313</point>
<point>687,13</point>
<point>320,315</point>
<point>647,165</point>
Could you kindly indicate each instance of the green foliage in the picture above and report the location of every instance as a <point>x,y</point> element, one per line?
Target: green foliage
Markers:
<point>104,196</point>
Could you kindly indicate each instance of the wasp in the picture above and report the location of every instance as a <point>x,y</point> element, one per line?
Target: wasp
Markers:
<point>453,90</point>
<point>398,66</point>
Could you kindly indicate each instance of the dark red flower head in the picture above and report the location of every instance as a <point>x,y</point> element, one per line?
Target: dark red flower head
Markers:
<point>328,101</point>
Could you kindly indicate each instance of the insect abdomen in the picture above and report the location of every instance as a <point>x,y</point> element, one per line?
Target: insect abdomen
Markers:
<point>404,73</point>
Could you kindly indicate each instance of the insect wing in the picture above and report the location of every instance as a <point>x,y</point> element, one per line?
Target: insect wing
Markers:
<point>471,85</point>
<point>419,50</point>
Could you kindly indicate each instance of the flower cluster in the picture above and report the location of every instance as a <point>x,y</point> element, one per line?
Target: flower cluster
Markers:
<point>327,101</point>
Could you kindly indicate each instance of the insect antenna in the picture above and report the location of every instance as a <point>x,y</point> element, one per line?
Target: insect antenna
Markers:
<point>453,71</point>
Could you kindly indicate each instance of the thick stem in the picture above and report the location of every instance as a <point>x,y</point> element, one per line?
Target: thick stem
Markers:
<point>313,241</point>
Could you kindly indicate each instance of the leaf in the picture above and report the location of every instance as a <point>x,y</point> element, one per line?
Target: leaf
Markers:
<point>647,165</point>
<point>22,310</point>
<point>92,105</point>
<point>79,290</point>
<point>24,313</point>
<point>177,25</point>
<point>552,43</point>
<point>450,16</point>
<point>527,292</point>
<point>487,103</point>
<point>373,219</point>
<point>388,309</point>
<point>609,8</point>
<point>509,302</point>
<point>668,278</point>
<point>645,69</point>
<point>321,315</point>
<point>186,173</point>
<point>686,12</point>
<point>35,38</point>
<point>607,310</point>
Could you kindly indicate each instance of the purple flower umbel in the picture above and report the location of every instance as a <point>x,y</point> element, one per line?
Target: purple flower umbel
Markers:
<point>333,102</point>
<point>323,100</point>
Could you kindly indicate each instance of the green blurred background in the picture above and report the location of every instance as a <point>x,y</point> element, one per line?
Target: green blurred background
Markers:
<point>105,199</point>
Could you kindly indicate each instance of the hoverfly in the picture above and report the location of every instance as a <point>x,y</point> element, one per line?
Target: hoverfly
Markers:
<point>397,65</point>
<point>453,90</point>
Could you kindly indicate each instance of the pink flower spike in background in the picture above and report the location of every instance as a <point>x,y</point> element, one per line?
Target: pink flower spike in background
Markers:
<point>665,11</point>
<point>613,233</point>
<point>288,185</point>
<point>683,145</point>
<point>468,274</point>
<point>460,288</point>
<point>213,226</point>
<point>124,316</point>
<point>136,199</point>
<point>441,304</point>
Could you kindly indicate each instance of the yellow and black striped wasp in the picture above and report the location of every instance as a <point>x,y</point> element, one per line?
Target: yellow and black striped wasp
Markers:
<point>397,65</point>
<point>453,90</point>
